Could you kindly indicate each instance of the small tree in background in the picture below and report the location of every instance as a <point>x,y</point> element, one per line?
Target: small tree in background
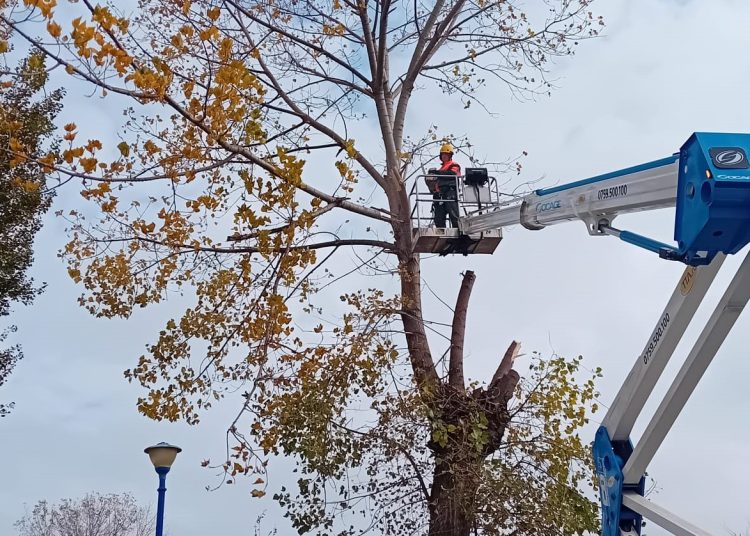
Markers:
<point>93,515</point>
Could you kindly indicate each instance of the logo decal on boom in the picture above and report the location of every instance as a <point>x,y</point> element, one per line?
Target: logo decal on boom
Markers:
<point>549,205</point>
<point>688,278</point>
<point>729,157</point>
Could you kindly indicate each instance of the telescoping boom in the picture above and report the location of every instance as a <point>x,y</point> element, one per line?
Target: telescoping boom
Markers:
<point>708,182</point>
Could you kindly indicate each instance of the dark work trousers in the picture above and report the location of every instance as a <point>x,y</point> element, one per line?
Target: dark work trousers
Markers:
<point>445,204</point>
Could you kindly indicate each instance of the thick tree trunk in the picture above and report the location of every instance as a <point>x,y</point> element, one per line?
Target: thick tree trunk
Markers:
<point>458,453</point>
<point>453,495</point>
<point>425,375</point>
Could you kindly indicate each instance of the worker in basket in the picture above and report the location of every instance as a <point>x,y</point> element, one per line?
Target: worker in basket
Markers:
<point>443,188</point>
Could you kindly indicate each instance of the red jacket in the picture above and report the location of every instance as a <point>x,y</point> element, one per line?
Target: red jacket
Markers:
<point>450,165</point>
<point>446,184</point>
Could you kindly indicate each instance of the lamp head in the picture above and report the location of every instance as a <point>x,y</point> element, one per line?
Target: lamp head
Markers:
<point>162,454</point>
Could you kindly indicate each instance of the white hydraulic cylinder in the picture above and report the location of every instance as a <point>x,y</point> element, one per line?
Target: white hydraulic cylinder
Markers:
<point>646,187</point>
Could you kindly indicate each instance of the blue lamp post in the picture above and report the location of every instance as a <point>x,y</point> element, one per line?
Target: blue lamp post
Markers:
<point>162,456</point>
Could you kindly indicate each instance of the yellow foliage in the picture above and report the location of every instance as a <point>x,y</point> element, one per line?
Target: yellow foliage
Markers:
<point>207,34</point>
<point>93,145</point>
<point>109,206</point>
<point>98,192</point>
<point>108,21</point>
<point>187,88</point>
<point>143,227</point>
<point>47,162</point>
<point>213,13</point>
<point>225,48</point>
<point>152,82</point>
<point>71,154</point>
<point>81,35</point>
<point>150,147</point>
<point>18,155</point>
<point>54,29</point>
<point>26,185</point>
<point>334,29</point>
<point>45,7</point>
<point>15,145</point>
<point>88,164</point>
<point>74,274</point>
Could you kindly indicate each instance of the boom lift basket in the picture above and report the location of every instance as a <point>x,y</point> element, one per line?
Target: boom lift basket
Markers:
<point>476,193</point>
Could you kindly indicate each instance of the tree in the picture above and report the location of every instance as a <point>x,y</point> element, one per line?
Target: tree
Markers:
<point>26,124</point>
<point>208,196</point>
<point>93,515</point>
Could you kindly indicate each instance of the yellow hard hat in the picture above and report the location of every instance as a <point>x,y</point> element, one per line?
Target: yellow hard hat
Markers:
<point>446,148</point>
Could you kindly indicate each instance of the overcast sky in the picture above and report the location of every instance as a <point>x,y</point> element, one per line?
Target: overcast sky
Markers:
<point>665,69</point>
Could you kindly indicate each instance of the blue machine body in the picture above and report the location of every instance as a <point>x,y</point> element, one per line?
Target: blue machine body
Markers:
<point>713,200</point>
<point>713,196</point>
<point>609,459</point>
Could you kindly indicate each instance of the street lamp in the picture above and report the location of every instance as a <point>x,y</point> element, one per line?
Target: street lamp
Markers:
<point>162,456</point>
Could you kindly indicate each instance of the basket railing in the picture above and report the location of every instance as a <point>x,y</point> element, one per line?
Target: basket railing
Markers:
<point>471,199</point>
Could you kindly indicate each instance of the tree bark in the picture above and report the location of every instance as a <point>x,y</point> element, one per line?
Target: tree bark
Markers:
<point>453,495</point>
<point>456,363</point>
<point>457,453</point>
<point>425,374</point>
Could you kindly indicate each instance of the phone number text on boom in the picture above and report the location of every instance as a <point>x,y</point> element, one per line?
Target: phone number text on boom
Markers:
<point>656,338</point>
<point>614,191</point>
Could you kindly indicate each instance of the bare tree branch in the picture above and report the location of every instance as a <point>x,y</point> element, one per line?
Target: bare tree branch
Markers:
<point>458,331</point>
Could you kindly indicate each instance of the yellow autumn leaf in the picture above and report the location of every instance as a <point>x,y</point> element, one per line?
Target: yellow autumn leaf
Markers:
<point>44,6</point>
<point>88,164</point>
<point>16,146</point>
<point>54,29</point>
<point>124,148</point>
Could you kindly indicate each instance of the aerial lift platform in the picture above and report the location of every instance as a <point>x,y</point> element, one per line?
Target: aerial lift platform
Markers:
<point>708,182</point>
<point>477,193</point>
